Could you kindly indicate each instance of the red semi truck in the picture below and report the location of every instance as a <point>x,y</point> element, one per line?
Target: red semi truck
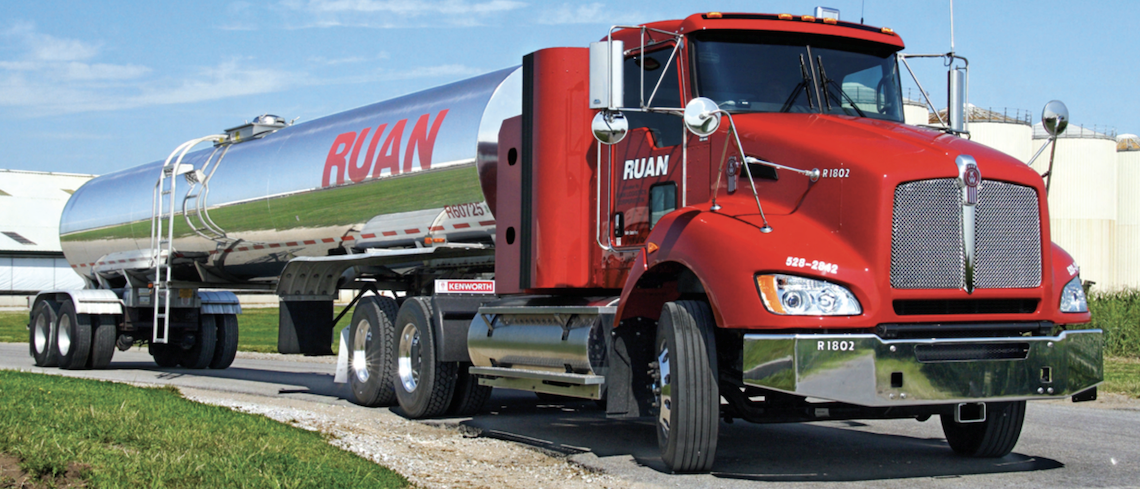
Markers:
<point>714,218</point>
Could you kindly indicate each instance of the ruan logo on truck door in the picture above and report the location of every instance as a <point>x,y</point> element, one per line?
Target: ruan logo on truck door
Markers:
<point>345,156</point>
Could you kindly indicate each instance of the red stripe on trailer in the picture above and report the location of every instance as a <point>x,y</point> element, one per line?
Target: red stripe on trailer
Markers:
<point>291,243</point>
<point>275,245</point>
<point>436,228</point>
<point>258,247</point>
<point>486,223</point>
<point>310,242</point>
<point>461,225</point>
<point>327,240</point>
<point>412,231</point>
<point>243,248</point>
<point>368,236</point>
<point>389,233</point>
<point>347,238</point>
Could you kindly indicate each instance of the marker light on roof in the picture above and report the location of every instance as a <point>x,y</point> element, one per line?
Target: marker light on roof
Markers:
<point>785,16</point>
<point>887,30</point>
<point>713,15</point>
<point>829,20</point>
<point>807,18</point>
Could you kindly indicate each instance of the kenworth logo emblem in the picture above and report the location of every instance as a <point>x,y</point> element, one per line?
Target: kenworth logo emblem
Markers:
<point>969,179</point>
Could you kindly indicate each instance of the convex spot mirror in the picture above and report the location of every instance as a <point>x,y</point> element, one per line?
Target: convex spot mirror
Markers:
<point>1055,117</point>
<point>609,126</point>
<point>702,116</point>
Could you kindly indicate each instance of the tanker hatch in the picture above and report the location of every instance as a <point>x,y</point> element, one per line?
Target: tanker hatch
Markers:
<point>261,126</point>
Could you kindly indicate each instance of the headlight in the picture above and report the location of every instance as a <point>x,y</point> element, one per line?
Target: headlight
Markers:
<point>789,295</point>
<point>1073,297</point>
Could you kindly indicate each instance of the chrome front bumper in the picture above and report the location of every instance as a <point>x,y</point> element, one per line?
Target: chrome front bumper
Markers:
<point>866,370</point>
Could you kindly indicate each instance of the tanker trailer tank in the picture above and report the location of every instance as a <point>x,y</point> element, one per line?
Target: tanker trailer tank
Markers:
<point>393,174</point>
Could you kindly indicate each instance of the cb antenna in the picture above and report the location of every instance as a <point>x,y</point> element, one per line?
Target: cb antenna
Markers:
<point>862,10</point>
<point>951,27</point>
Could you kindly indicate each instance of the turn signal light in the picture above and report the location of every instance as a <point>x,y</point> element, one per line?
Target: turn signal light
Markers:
<point>651,247</point>
<point>785,16</point>
<point>713,15</point>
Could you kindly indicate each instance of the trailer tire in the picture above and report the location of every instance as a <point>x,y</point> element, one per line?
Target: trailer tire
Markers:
<point>225,349</point>
<point>469,396</point>
<point>993,438</point>
<point>41,334</point>
<point>72,337</point>
<point>686,388</point>
<point>201,354</point>
<point>166,355</point>
<point>372,358</point>
<point>103,336</point>
<point>424,387</point>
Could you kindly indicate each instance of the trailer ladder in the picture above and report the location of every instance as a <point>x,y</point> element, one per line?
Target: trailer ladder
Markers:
<point>162,231</point>
<point>194,204</point>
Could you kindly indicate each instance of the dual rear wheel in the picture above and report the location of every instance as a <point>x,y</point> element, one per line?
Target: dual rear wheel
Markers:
<point>60,336</point>
<point>214,346</point>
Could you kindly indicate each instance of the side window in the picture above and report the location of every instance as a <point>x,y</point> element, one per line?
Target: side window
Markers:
<point>662,200</point>
<point>666,129</point>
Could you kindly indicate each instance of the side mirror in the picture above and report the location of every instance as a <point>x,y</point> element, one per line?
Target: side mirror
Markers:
<point>702,116</point>
<point>606,74</point>
<point>1055,117</point>
<point>609,126</point>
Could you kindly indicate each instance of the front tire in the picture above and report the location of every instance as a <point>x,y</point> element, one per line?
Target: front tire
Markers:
<point>372,358</point>
<point>686,388</point>
<point>73,337</point>
<point>424,387</point>
<point>469,396</point>
<point>993,438</point>
<point>41,334</point>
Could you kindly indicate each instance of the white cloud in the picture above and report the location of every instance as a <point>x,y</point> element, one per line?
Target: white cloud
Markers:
<point>348,60</point>
<point>389,14</point>
<point>590,13</point>
<point>100,71</point>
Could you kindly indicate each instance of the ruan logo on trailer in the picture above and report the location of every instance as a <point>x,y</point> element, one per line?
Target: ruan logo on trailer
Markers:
<point>345,156</point>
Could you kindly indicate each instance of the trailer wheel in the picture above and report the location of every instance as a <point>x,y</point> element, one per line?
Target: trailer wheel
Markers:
<point>166,355</point>
<point>685,385</point>
<point>372,360</point>
<point>201,354</point>
<point>103,336</point>
<point>72,337</point>
<point>225,349</point>
<point>41,334</point>
<point>424,387</point>
<point>469,396</point>
<point>995,437</point>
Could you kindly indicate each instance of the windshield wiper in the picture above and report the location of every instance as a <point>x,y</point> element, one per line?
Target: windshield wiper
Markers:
<point>827,83</point>
<point>803,85</point>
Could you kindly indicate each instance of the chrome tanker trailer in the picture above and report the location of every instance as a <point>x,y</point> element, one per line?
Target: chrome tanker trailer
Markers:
<point>718,217</point>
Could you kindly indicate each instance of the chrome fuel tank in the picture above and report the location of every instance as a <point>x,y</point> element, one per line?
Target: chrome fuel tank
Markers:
<point>388,174</point>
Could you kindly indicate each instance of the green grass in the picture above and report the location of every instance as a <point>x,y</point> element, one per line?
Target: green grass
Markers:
<point>133,437</point>
<point>13,327</point>
<point>1122,376</point>
<point>1118,314</point>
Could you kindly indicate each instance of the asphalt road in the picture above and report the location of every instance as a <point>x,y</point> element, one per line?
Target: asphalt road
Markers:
<point>1062,444</point>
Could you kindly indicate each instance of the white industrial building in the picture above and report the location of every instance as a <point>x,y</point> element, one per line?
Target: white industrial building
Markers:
<point>31,259</point>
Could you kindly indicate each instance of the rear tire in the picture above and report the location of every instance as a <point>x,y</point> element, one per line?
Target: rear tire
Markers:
<point>225,350</point>
<point>993,438</point>
<point>103,335</point>
<point>424,387</point>
<point>469,396</point>
<point>372,351</point>
<point>41,334</point>
<point>201,354</point>
<point>686,388</point>
<point>72,337</point>
<point>166,355</point>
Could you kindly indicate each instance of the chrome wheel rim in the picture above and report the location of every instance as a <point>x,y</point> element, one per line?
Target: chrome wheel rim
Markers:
<point>41,333</point>
<point>409,357</point>
<point>360,342</point>
<point>664,391</point>
<point>63,336</point>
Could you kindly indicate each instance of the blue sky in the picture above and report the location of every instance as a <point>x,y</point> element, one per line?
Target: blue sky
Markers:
<point>93,87</point>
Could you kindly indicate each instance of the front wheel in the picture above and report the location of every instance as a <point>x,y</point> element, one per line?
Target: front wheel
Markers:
<point>992,438</point>
<point>685,386</point>
<point>424,387</point>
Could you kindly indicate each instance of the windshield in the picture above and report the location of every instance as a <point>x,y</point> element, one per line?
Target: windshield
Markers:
<point>757,72</point>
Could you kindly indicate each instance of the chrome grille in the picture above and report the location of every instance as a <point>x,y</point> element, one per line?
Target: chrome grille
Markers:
<point>926,237</point>
<point>1008,237</point>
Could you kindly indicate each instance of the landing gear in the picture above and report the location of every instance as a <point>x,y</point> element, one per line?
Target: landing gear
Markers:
<point>686,389</point>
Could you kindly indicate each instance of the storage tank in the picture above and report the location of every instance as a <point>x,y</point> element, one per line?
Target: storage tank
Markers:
<point>915,113</point>
<point>388,174</point>
<point>1007,130</point>
<point>1128,212</point>
<point>1083,199</point>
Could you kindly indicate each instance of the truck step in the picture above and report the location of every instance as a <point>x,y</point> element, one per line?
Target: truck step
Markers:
<point>575,385</point>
